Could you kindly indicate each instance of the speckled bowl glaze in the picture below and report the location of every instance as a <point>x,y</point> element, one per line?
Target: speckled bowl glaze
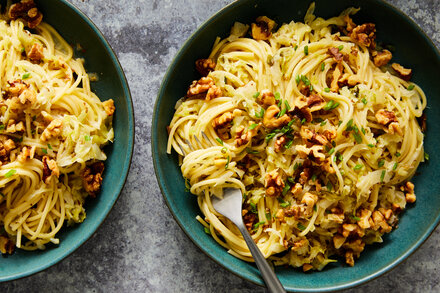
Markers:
<point>412,48</point>
<point>76,28</point>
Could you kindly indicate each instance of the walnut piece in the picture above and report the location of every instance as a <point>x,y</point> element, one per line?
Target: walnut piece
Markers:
<point>280,143</point>
<point>109,107</point>
<point>382,58</point>
<point>384,116</point>
<point>200,86</point>
<point>316,152</point>
<point>364,35</point>
<point>408,188</point>
<point>14,126</point>
<point>364,219</point>
<point>262,28</point>
<point>266,98</point>
<point>26,153</point>
<point>337,55</point>
<point>338,240</point>
<point>6,146</point>
<point>249,219</point>
<point>271,121</point>
<point>337,73</point>
<point>404,73</point>
<point>205,66</point>
<point>36,53</point>
<point>92,178</point>
<point>243,135</point>
<point>310,137</point>
<point>6,245</point>
<point>349,258</point>
<point>50,168</point>
<point>349,22</point>
<point>27,10</point>
<point>52,130</point>
<point>380,222</point>
<point>309,199</point>
<point>274,183</point>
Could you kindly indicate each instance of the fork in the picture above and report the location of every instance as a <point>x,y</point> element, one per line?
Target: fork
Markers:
<point>230,206</point>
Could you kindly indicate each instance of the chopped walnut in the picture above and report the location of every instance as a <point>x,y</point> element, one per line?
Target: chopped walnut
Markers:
<point>364,34</point>
<point>305,175</point>
<point>316,152</point>
<point>387,213</point>
<point>36,53</point>
<point>109,107</point>
<point>338,240</point>
<point>384,117</point>
<point>404,73</point>
<point>394,127</point>
<point>50,168</point>
<point>380,222</point>
<point>349,258</point>
<point>349,79</point>
<point>27,153</point>
<point>266,98</point>
<point>213,92</point>
<point>365,215</point>
<point>205,66</point>
<point>280,215</point>
<point>337,215</point>
<point>52,130</point>
<point>280,143</point>
<point>295,211</point>
<point>311,137</point>
<point>271,121</point>
<point>14,127</point>
<point>249,219</point>
<point>352,229</point>
<point>92,178</point>
<point>382,58</point>
<point>200,86</point>
<point>349,22</point>
<point>6,245</point>
<point>337,55</point>
<point>243,135</point>
<point>408,188</point>
<point>262,29</point>
<point>274,183</point>
<point>6,146</point>
<point>327,166</point>
<point>356,246</point>
<point>314,102</point>
<point>27,10</point>
<point>15,88</point>
<point>46,117</point>
<point>337,73</point>
<point>297,189</point>
<point>309,199</point>
<point>300,244</point>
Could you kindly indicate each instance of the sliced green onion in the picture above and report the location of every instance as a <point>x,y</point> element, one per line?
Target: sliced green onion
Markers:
<point>410,87</point>
<point>251,151</point>
<point>358,167</point>
<point>289,144</point>
<point>395,166</point>
<point>382,176</point>
<point>426,156</point>
<point>227,163</point>
<point>296,47</point>
<point>256,95</point>
<point>261,114</point>
<point>357,219</point>
<point>397,154</point>
<point>323,123</point>
<point>341,47</point>
<point>357,137</point>
<point>286,188</point>
<point>219,141</point>
<point>306,50</point>
<point>26,75</point>
<point>331,151</point>
<point>329,186</point>
<point>297,78</point>
<point>49,146</point>
<point>207,231</point>
<point>259,224</point>
<point>87,138</point>
<point>381,163</point>
<point>253,208</point>
<point>322,66</point>
<point>287,105</point>
<point>371,145</point>
<point>301,226</point>
<point>364,101</point>
<point>363,130</point>
<point>253,125</point>
<point>277,96</point>
<point>314,177</point>
<point>303,120</point>
<point>10,173</point>
<point>44,151</point>
<point>327,90</point>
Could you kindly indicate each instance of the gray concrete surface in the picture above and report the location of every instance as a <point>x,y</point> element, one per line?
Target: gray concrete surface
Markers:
<point>140,248</point>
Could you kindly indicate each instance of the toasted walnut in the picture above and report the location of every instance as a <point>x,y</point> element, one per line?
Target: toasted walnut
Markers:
<point>404,73</point>
<point>274,183</point>
<point>352,229</point>
<point>410,197</point>
<point>262,29</point>
<point>300,244</point>
<point>307,267</point>
<point>46,117</point>
<point>384,117</point>
<point>327,166</point>
<point>271,121</point>
<point>364,34</point>
<point>243,135</point>
<point>380,222</point>
<point>316,152</point>
<point>109,107</point>
<point>199,87</point>
<point>36,53</point>
<point>50,168</point>
<point>249,219</point>
<point>280,215</point>
<point>92,178</point>
<point>205,66</point>
<point>15,88</point>
<point>52,130</point>
<point>309,199</point>
<point>387,213</point>
<point>297,189</point>
<point>28,97</point>
<point>27,10</point>
<point>295,211</point>
<point>14,126</point>
<point>382,58</point>
<point>338,240</point>
<point>6,146</point>
<point>280,143</point>
<point>314,102</point>
<point>6,245</point>
<point>266,98</point>
<point>394,127</point>
<point>408,188</point>
<point>336,215</point>
<point>356,246</point>
<point>349,79</point>
<point>311,137</point>
<point>305,175</point>
<point>337,55</point>
<point>365,215</point>
<point>349,258</point>
<point>213,92</point>
<point>27,153</point>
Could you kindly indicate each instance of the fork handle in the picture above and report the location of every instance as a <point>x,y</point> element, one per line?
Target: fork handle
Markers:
<point>269,277</point>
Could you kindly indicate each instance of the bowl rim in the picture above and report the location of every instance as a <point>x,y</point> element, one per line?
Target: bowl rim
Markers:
<point>155,155</point>
<point>131,128</point>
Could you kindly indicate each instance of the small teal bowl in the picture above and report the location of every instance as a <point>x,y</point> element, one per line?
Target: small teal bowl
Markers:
<point>76,28</point>
<point>413,49</point>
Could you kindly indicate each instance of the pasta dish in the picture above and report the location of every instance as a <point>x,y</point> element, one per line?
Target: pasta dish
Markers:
<point>315,125</point>
<point>52,130</point>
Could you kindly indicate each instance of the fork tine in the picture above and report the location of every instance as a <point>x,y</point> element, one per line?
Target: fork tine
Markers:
<point>181,148</point>
<point>189,144</point>
<point>206,138</point>
<point>198,141</point>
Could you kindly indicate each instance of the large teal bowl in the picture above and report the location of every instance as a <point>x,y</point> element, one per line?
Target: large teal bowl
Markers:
<point>413,49</point>
<point>76,28</point>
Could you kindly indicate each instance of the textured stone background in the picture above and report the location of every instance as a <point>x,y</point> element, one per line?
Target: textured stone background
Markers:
<point>153,254</point>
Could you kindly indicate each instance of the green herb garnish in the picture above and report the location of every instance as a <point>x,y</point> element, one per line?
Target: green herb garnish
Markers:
<point>207,231</point>
<point>426,155</point>
<point>251,151</point>
<point>301,226</point>
<point>395,166</point>
<point>10,173</point>
<point>358,167</point>
<point>327,90</point>
<point>26,75</point>
<point>44,151</point>
<point>410,87</point>
<point>49,146</point>
<point>331,151</point>
<point>87,138</point>
<point>382,176</point>
<point>341,47</point>
<point>219,141</point>
<point>253,125</point>
<point>227,163</point>
<point>397,154</point>
<point>371,145</point>
<point>364,101</point>
<point>306,50</point>
<point>357,137</point>
<point>259,224</point>
<point>256,95</point>
<point>322,66</point>
<point>381,163</point>
<point>261,114</point>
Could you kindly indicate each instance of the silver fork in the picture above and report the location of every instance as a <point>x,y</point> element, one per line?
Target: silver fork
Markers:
<point>230,206</point>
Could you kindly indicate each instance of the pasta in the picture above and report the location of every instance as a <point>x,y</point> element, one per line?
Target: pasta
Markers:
<point>53,128</point>
<point>314,126</point>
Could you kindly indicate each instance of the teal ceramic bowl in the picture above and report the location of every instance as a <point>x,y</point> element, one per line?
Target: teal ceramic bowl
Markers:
<point>413,49</point>
<point>76,28</point>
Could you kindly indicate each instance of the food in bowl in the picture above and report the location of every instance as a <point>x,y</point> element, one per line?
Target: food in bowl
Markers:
<point>314,125</point>
<point>53,129</point>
